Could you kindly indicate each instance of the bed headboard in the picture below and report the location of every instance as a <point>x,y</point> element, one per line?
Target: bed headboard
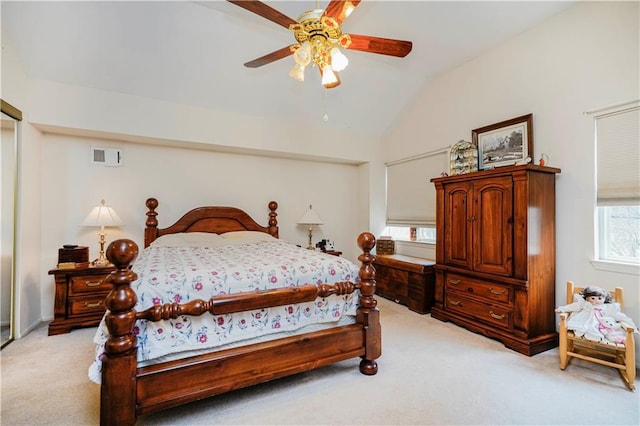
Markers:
<point>215,219</point>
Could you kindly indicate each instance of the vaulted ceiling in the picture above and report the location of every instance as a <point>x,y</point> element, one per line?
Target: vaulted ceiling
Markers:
<point>193,52</point>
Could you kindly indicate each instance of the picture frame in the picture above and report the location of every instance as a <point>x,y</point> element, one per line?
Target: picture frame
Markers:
<point>506,143</point>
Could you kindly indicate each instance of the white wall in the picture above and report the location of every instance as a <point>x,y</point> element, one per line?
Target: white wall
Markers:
<point>585,58</point>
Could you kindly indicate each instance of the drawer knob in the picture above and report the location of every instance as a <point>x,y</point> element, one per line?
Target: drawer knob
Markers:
<point>92,305</point>
<point>454,302</point>
<point>494,316</point>
<point>92,283</point>
<point>498,292</point>
<point>454,282</point>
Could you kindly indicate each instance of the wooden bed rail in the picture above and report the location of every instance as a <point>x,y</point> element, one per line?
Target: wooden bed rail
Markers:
<point>238,302</point>
<point>123,395</point>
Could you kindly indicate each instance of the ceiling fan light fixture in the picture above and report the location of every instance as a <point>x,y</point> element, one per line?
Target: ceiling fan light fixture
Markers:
<point>338,60</point>
<point>302,55</point>
<point>330,79</point>
<point>297,72</point>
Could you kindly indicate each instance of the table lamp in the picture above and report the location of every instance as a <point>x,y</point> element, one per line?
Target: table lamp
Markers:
<point>310,218</point>
<point>102,216</point>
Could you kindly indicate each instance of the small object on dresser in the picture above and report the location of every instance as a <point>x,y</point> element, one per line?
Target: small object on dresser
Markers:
<point>73,253</point>
<point>544,159</point>
<point>385,246</point>
<point>463,158</point>
<point>66,265</point>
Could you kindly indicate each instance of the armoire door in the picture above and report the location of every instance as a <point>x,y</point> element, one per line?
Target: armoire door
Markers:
<point>458,212</point>
<point>492,220</point>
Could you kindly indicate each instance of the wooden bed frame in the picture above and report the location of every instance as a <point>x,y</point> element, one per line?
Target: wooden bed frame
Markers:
<point>128,391</point>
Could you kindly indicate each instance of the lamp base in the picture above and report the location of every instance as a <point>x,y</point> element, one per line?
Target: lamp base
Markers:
<point>101,260</point>
<point>310,247</point>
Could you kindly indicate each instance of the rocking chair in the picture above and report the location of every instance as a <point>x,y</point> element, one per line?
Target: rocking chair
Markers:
<point>617,355</point>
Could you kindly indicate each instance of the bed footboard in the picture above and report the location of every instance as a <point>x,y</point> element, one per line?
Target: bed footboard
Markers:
<point>128,391</point>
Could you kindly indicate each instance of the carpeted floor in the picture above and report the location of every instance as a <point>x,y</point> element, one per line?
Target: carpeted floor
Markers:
<point>430,373</point>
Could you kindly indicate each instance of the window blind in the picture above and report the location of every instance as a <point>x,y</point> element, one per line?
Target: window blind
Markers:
<point>618,156</point>
<point>411,197</point>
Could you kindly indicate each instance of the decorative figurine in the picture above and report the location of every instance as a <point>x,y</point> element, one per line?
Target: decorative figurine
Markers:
<point>544,159</point>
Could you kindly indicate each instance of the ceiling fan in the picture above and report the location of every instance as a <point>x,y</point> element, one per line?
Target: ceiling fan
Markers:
<point>319,38</point>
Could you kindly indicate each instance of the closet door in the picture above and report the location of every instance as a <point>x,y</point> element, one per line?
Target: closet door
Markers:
<point>492,221</point>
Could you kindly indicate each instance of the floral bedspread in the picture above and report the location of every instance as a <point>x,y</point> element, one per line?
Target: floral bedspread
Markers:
<point>182,274</point>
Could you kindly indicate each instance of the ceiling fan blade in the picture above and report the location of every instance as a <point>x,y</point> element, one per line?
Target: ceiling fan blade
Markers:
<point>267,12</point>
<point>382,46</point>
<point>270,57</point>
<point>340,9</point>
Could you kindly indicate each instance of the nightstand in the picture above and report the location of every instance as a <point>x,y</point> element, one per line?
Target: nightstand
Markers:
<point>333,252</point>
<point>79,299</point>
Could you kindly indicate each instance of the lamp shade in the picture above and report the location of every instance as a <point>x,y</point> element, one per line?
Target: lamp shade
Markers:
<point>310,218</point>
<point>102,215</point>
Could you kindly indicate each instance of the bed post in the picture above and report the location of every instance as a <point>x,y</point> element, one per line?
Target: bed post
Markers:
<point>118,390</point>
<point>151,230</point>
<point>367,314</point>
<point>273,222</point>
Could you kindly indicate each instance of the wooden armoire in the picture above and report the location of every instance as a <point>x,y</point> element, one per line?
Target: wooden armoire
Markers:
<point>495,255</point>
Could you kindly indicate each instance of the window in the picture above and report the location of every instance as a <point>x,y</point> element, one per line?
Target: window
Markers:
<point>423,234</point>
<point>618,184</point>
<point>411,197</point>
<point>620,233</point>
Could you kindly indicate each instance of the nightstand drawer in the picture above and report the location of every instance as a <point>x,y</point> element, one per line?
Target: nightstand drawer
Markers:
<point>88,284</point>
<point>80,295</point>
<point>87,305</point>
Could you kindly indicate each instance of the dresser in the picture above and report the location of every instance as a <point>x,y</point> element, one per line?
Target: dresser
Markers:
<point>79,297</point>
<point>406,280</point>
<point>495,255</point>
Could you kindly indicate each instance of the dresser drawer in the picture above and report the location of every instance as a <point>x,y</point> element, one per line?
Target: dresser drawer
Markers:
<point>492,292</point>
<point>478,311</point>
<point>87,305</point>
<point>83,284</point>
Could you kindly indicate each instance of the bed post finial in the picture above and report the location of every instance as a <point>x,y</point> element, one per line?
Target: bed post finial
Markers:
<point>273,222</point>
<point>367,314</point>
<point>151,230</point>
<point>366,242</point>
<point>119,364</point>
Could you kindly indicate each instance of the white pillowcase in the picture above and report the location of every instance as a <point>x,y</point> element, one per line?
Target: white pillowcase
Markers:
<point>248,236</point>
<point>186,239</point>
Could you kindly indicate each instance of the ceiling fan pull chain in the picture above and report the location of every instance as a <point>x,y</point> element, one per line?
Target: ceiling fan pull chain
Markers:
<point>326,115</point>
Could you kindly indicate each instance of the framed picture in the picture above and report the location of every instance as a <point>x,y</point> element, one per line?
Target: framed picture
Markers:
<point>504,144</point>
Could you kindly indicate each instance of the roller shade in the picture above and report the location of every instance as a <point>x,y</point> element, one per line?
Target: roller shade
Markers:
<point>411,197</point>
<point>618,156</point>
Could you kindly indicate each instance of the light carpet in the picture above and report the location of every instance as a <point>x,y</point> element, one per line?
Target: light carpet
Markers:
<point>430,373</point>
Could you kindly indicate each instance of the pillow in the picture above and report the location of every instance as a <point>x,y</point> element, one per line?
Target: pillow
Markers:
<point>248,236</point>
<point>186,239</point>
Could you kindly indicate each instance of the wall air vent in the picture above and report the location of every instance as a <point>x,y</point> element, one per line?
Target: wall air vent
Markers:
<point>106,156</point>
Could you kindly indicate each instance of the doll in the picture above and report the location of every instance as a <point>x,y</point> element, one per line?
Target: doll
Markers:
<point>596,318</point>
<point>612,330</point>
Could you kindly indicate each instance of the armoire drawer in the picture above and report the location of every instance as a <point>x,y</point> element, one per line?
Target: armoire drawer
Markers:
<point>489,291</point>
<point>478,311</point>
